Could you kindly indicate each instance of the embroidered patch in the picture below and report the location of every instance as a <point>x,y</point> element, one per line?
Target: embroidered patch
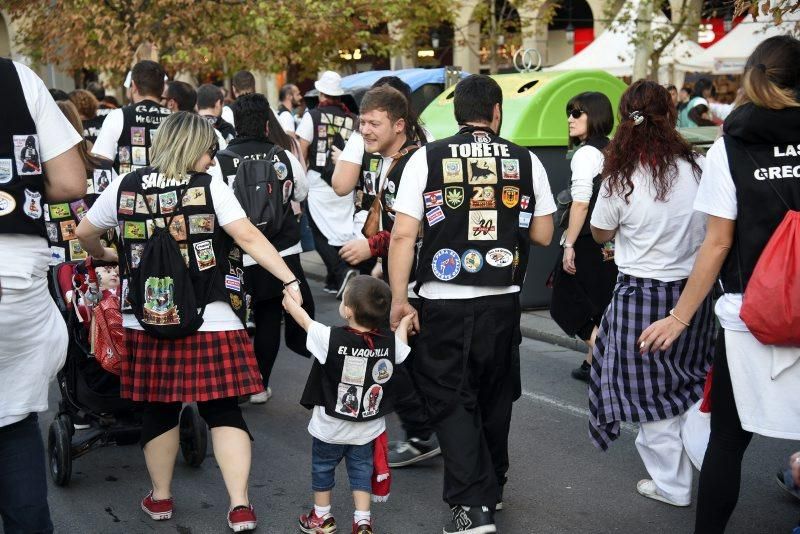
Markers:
<point>201,224</point>
<point>79,208</point>
<point>510,196</point>
<point>233,283</point>
<point>131,230</point>
<point>482,197</point>
<point>68,230</point>
<point>76,251</point>
<point>372,400</point>
<point>322,130</point>
<point>59,211</point>
<point>138,155</point>
<point>453,196</point>
<point>137,135</point>
<point>482,225</point>
<point>435,216</point>
<point>452,170</point>
<point>136,254</point>
<point>382,371</point>
<point>524,201</point>
<point>26,154</point>
<point>354,369</point>
<point>168,201</point>
<point>6,171</point>
<point>101,179</point>
<point>432,198</point>
<point>57,255</point>
<point>127,202</point>
<point>159,302</point>
<point>236,301</point>
<point>124,156</point>
<point>499,257</point>
<point>33,204</point>
<point>481,171</point>
<point>348,400</point>
<point>194,196</point>
<point>281,170</point>
<point>525,219</point>
<point>177,227</point>
<point>204,254</point>
<point>52,232</point>
<point>391,187</point>
<point>124,169</point>
<point>446,264</point>
<point>510,169</point>
<point>472,260</point>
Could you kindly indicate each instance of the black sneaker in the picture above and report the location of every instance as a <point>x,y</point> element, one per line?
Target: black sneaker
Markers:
<point>403,453</point>
<point>470,520</point>
<point>582,373</point>
<point>350,274</point>
<point>330,289</point>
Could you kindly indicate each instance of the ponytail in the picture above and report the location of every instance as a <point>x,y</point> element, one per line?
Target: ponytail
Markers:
<point>771,77</point>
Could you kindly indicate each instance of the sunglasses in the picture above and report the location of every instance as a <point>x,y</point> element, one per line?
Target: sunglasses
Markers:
<point>212,152</point>
<point>575,113</point>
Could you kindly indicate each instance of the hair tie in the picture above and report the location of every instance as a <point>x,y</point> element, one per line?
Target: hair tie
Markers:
<point>636,117</point>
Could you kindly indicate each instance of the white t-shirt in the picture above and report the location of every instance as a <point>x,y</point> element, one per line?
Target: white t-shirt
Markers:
<point>227,115</point>
<point>654,239</point>
<point>409,201</point>
<point>218,315</point>
<point>107,139</point>
<point>337,431</point>
<point>587,162</point>
<point>286,120</point>
<point>332,214</point>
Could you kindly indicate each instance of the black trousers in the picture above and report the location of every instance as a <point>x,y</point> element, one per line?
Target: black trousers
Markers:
<point>408,403</point>
<point>161,417</point>
<point>467,371</point>
<point>721,475</point>
<point>336,266</point>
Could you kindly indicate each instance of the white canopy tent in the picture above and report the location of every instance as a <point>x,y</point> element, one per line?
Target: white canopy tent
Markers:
<point>729,54</point>
<point>613,52</point>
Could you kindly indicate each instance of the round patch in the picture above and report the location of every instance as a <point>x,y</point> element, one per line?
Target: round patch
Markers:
<point>499,257</point>
<point>382,371</point>
<point>472,261</point>
<point>7,203</point>
<point>280,170</point>
<point>390,186</point>
<point>446,264</point>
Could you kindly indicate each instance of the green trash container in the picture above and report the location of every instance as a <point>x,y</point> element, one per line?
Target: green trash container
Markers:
<point>534,116</point>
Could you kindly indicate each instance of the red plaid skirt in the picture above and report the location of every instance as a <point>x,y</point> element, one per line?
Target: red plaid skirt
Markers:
<point>200,367</point>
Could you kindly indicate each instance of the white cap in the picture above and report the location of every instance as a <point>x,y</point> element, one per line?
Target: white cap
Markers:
<point>330,83</point>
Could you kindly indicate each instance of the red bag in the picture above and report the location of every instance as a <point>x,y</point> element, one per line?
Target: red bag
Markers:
<point>771,303</point>
<point>108,333</point>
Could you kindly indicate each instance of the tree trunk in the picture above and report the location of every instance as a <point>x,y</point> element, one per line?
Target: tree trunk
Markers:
<point>644,48</point>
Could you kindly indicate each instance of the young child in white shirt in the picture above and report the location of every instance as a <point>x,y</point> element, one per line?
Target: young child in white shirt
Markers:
<point>349,390</point>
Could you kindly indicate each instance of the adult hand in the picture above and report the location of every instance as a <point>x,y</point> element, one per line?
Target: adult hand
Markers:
<point>335,153</point>
<point>660,335</point>
<point>568,262</point>
<point>406,324</point>
<point>401,310</point>
<point>355,251</point>
<point>294,293</point>
<point>109,255</point>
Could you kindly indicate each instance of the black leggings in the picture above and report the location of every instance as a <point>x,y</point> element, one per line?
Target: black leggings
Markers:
<point>721,475</point>
<point>161,417</point>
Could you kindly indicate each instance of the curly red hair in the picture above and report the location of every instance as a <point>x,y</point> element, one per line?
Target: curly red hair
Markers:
<point>653,144</point>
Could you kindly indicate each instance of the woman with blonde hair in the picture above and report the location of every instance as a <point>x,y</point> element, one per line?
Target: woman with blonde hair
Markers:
<point>147,50</point>
<point>749,183</point>
<point>215,364</point>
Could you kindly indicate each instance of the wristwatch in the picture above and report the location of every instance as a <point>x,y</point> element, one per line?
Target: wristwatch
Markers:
<point>567,245</point>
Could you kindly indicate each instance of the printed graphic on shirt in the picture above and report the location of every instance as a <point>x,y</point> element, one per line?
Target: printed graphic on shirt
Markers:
<point>33,204</point>
<point>390,187</point>
<point>76,251</point>
<point>59,211</point>
<point>472,260</point>
<point>6,171</point>
<point>453,196</point>
<point>136,254</point>
<point>131,230</point>
<point>102,178</point>
<point>68,230</point>
<point>168,201</point>
<point>524,202</point>
<point>354,370</point>
<point>510,169</point>
<point>510,196</point>
<point>452,170</point>
<point>482,225</point>
<point>57,255</point>
<point>159,302</point>
<point>201,224</point>
<point>124,155</point>
<point>127,202</point>
<point>52,232</point>
<point>482,197</point>
<point>7,203</point>
<point>195,196</point>
<point>26,154</point>
<point>372,400</point>
<point>233,283</point>
<point>435,216</point>
<point>432,198</point>
<point>79,208</point>
<point>287,190</point>
<point>177,227</point>
<point>137,135</point>
<point>204,254</point>
<point>446,264</point>
<point>382,371</point>
<point>525,219</point>
<point>481,171</point>
<point>499,257</point>
<point>139,155</point>
<point>348,400</point>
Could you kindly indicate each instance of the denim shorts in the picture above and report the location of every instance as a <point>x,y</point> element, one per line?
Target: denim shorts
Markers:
<point>326,456</point>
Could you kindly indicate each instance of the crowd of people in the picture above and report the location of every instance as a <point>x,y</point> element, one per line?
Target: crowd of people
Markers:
<point>204,204</point>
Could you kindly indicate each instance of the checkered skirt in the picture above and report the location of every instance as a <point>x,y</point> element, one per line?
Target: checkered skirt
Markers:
<point>627,386</point>
<point>201,367</point>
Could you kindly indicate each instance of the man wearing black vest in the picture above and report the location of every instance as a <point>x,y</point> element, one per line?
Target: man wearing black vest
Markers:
<point>252,116</point>
<point>242,83</point>
<point>209,106</point>
<point>38,158</point>
<point>290,98</point>
<point>127,132</point>
<point>481,200</point>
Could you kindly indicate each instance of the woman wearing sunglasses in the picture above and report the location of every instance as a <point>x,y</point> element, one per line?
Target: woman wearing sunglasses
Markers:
<point>585,274</point>
<point>215,364</point>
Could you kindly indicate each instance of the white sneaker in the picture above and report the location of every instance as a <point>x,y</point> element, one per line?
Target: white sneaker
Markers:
<point>647,488</point>
<point>261,398</point>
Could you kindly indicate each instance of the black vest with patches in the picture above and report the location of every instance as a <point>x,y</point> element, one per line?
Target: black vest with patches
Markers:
<point>328,121</point>
<point>479,204</point>
<point>91,127</point>
<point>368,181</point>
<point>21,169</point>
<point>206,249</point>
<point>356,382</point>
<point>64,217</point>
<point>763,148</point>
<point>140,122</point>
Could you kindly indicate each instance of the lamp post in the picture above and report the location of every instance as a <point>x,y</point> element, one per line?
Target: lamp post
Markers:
<point>569,33</point>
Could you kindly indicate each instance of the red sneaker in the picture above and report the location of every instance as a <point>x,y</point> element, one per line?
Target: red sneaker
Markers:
<point>157,510</point>
<point>363,527</point>
<point>313,524</point>
<point>242,518</point>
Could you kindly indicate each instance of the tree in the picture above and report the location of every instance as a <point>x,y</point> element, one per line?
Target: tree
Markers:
<point>777,8</point>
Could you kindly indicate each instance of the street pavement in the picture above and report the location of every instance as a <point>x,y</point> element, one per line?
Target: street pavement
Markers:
<point>558,482</point>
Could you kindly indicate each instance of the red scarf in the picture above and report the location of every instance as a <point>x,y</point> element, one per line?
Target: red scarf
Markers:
<point>334,103</point>
<point>366,336</point>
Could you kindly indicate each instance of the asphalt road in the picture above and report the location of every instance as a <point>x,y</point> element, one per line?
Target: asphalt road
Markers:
<point>558,482</point>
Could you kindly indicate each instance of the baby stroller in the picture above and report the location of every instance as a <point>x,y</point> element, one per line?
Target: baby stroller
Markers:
<point>89,393</point>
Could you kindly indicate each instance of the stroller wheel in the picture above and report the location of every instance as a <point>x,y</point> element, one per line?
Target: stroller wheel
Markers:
<point>59,450</point>
<point>193,436</point>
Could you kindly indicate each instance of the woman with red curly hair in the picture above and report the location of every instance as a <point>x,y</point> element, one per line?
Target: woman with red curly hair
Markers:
<point>650,180</point>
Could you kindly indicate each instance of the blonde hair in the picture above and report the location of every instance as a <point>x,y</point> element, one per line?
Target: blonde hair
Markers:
<point>145,51</point>
<point>770,77</point>
<point>180,141</point>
